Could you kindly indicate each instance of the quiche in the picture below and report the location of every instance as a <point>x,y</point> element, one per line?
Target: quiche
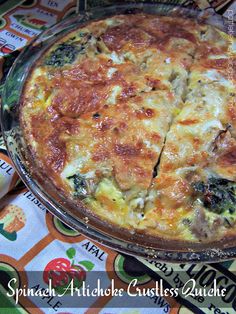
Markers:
<point>134,117</point>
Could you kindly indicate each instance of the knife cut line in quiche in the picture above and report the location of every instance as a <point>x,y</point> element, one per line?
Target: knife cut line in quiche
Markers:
<point>134,116</point>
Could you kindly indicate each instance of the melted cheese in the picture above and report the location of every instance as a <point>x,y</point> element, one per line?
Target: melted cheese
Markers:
<point>143,95</point>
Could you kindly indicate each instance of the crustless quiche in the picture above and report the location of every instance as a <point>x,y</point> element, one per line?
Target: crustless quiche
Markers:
<point>135,116</point>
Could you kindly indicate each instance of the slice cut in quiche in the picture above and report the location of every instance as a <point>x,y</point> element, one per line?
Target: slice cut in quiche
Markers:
<point>134,116</point>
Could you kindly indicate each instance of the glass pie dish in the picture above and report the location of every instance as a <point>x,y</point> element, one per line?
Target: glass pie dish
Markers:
<point>136,244</point>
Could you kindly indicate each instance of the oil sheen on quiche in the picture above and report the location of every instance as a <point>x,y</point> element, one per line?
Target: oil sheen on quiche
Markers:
<point>135,116</point>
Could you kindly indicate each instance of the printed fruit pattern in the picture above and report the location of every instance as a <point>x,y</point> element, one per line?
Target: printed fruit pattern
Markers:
<point>61,271</point>
<point>31,21</point>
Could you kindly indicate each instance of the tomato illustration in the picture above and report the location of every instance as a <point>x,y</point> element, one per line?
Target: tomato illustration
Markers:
<point>61,272</point>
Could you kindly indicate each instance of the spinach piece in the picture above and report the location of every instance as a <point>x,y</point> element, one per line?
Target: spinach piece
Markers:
<point>80,186</point>
<point>217,194</point>
<point>65,53</point>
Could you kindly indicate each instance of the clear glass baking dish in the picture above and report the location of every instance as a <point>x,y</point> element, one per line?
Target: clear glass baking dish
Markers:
<point>114,237</point>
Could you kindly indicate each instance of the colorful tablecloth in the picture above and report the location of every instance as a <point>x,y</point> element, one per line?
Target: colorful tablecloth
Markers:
<point>36,248</point>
